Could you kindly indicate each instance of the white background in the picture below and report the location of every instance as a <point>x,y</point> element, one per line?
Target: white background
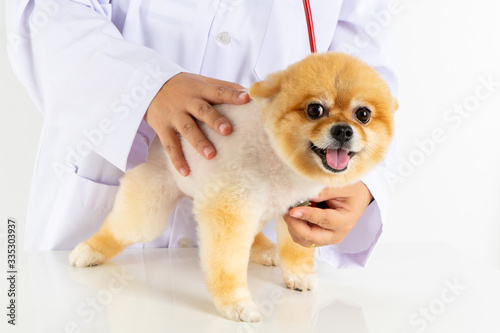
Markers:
<point>448,192</point>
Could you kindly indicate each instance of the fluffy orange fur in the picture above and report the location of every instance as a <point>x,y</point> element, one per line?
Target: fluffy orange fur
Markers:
<point>263,251</point>
<point>225,246</point>
<point>266,165</point>
<point>339,82</point>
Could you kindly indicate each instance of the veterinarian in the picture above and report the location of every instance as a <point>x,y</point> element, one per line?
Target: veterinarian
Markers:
<point>110,75</point>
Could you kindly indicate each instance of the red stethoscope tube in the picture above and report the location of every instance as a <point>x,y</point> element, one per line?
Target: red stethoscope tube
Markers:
<point>310,26</point>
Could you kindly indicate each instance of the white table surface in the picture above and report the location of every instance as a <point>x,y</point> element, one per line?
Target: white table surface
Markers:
<point>406,288</point>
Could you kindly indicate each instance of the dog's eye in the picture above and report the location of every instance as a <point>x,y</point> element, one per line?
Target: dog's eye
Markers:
<point>315,111</point>
<point>363,114</point>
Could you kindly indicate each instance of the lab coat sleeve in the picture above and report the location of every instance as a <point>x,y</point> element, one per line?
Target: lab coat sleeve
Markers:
<point>363,30</point>
<point>83,76</point>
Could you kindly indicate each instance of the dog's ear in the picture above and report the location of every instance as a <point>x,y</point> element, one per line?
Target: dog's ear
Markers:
<point>263,91</point>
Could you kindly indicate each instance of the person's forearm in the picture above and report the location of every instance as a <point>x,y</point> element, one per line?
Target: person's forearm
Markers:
<point>84,77</point>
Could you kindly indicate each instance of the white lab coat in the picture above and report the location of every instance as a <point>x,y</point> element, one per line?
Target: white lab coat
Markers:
<point>93,66</point>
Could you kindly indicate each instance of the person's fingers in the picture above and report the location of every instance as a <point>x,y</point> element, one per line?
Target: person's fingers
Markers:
<point>335,197</point>
<point>325,218</point>
<point>299,230</point>
<point>189,129</point>
<point>172,145</point>
<point>218,94</point>
<point>184,98</point>
<point>305,234</point>
<point>205,112</point>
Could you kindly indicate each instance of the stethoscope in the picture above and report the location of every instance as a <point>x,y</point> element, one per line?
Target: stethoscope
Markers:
<point>310,25</point>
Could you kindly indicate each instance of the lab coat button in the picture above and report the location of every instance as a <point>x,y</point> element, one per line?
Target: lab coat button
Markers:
<point>184,242</point>
<point>223,38</point>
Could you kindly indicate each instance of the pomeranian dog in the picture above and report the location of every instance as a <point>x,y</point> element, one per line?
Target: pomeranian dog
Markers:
<point>323,122</point>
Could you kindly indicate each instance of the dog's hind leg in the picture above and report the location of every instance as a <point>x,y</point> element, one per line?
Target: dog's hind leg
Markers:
<point>227,228</point>
<point>146,196</point>
<point>263,251</point>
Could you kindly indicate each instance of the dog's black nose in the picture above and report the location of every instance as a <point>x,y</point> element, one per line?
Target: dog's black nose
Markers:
<point>342,133</point>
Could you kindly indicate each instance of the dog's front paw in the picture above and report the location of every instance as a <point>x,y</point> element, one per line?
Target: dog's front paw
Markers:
<point>300,282</point>
<point>84,256</point>
<point>246,311</point>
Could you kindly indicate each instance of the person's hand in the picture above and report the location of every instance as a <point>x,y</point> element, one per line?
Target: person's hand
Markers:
<point>318,226</point>
<point>181,100</point>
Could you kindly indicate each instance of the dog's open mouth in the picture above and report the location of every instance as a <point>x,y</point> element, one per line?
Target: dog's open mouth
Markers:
<point>335,160</point>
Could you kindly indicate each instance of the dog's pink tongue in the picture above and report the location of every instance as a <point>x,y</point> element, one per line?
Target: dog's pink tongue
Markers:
<point>337,158</point>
